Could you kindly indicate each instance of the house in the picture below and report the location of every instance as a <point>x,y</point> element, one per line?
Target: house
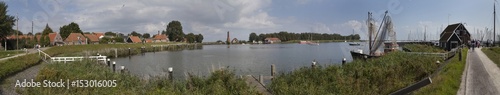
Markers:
<point>148,40</point>
<point>453,36</point>
<point>234,41</point>
<point>93,39</point>
<point>133,39</point>
<point>55,39</point>
<point>160,38</point>
<point>272,40</point>
<point>98,34</point>
<point>76,39</point>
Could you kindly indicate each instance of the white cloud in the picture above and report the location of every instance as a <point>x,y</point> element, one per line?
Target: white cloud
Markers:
<point>259,21</point>
<point>320,28</point>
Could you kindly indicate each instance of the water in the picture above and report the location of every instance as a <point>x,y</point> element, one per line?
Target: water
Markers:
<point>243,59</point>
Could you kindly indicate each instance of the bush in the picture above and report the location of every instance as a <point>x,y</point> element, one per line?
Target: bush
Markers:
<point>383,75</point>
<point>423,48</point>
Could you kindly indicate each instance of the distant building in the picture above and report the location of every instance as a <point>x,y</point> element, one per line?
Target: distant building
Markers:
<point>76,39</point>
<point>160,38</point>
<point>56,39</point>
<point>93,39</point>
<point>272,40</point>
<point>133,39</point>
<point>453,36</point>
<point>98,34</point>
<point>234,41</point>
<point>148,40</point>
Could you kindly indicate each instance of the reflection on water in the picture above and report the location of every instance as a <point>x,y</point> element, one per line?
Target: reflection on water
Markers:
<point>243,59</point>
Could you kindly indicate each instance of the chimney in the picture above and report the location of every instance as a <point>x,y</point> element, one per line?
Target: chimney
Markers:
<point>227,37</point>
<point>158,32</point>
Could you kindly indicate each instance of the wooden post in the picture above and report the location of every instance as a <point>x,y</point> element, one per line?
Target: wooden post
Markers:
<point>261,79</point>
<point>122,70</point>
<point>128,51</point>
<point>313,64</point>
<point>108,62</point>
<point>459,54</point>
<point>273,72</point>
<point>116,53</point>
<point>170,73</point>
<point>114,65</point>
<point>344,60</point>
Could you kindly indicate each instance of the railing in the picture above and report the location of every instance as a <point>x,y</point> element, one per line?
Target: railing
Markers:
<point>443,56</point>
<point>101,59</point>
<point>43,55</point>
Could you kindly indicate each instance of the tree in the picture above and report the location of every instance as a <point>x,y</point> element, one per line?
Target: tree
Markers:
<point>18,32</point>
<point>253,37</point>
<point>174,31</point>
<point>146,35</point>
<point>6,21</point>
<point>104,40</point>
<point>44,41</point>
<point>68,29</point>
<point>47,30</point>
<point>110,33</point>
<point>261,37</point>
<point>135,34</point>
<point>219,41</point>
<point>199,38</point>
<point>118,39</point>
<point>190,38</point>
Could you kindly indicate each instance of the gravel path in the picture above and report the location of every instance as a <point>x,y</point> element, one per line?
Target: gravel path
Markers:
<point>7,86</point>
<point>481,76</point>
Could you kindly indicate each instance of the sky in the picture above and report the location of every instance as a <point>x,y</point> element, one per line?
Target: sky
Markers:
<point>213,18</point>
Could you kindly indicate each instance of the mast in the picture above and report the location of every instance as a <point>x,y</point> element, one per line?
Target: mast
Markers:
<point>494,22</point>
<point>370,27</point>
<point>425,33</point>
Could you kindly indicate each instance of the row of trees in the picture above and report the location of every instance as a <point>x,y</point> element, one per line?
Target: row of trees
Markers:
<point>285,36</point>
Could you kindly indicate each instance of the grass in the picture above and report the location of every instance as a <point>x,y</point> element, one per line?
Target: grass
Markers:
<point>14,65</point>
<point>222,82</point>
<point>493,53</point>
<point>17,64</point>
<point>448,80</point>
<point>423,48</point>
<point>384,75</point>
<point>4,54</point>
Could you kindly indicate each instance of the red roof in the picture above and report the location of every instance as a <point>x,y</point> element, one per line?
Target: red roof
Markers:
<point>52,37</point>
<point>92,37</point>
<point>160,37</point>
<point>134,39</point>
<point>98,34</point>
<point>20,37</point>
<point>272,39</point>
<point>74,37</point>
<point>149,40</point>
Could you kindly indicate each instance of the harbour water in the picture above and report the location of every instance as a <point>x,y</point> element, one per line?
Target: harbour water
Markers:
<point>242,59</point>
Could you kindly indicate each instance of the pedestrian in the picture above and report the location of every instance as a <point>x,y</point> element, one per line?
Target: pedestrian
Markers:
<point>478,43</point>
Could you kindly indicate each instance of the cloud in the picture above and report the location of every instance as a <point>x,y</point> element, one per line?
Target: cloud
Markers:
<point>320,28</point>
<point>208,17</point>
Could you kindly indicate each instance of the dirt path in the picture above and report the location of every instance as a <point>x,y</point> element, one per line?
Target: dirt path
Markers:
<point>481,76</point>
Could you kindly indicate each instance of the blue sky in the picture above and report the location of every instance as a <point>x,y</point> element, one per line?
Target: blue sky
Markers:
<point>213,18</point>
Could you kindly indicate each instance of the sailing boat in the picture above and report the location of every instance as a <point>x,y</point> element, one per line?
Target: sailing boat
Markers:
<point>311,42</point>
<point>353,43</point>
<point>384,30</point>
